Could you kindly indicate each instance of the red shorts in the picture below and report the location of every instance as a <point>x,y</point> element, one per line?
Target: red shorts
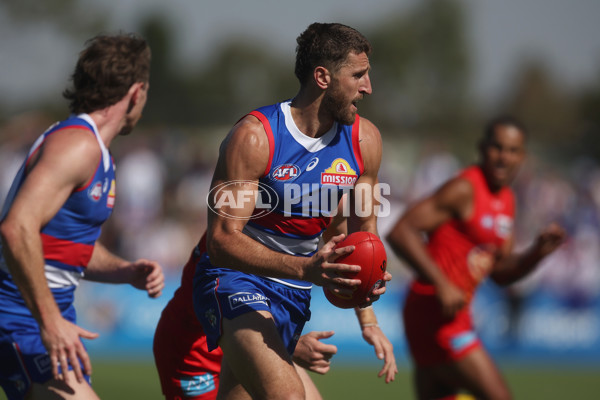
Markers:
<point>186,368</point>
<point>432,338</point>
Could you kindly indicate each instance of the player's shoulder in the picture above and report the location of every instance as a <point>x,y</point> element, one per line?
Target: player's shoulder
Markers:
<point>249,133</point>
<point>368,130</point>
<point>72,139</point>
<point>456,191</point>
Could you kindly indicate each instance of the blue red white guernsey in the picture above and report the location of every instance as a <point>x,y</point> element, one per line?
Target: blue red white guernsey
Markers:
<point>308,176</point>
<point>68,239</point>
<point>68,242</point>
<point>302,184</point>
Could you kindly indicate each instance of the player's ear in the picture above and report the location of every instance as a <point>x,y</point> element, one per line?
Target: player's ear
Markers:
<point>322,77</point>
<point>134,93</point>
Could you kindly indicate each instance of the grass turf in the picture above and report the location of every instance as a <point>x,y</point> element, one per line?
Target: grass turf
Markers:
<point>139,380</point>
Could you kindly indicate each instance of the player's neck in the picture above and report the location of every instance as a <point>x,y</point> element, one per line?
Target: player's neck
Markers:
<point>307,113</point>
<point>110,121</point>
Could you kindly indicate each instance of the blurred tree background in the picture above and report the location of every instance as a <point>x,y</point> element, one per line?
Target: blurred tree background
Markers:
<point>421,74</point>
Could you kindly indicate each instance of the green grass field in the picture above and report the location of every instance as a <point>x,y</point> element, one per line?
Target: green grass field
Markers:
<point>138,380</point>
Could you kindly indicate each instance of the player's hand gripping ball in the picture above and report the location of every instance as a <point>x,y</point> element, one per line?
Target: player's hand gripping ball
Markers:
<point>369,253</point>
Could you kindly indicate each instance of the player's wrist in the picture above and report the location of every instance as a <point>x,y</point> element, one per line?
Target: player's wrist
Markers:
<point>369,325</point>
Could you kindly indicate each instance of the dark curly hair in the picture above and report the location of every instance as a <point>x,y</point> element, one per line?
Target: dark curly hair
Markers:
<point>105,71</point>
<point>327,45</point>
<point>502,120</point>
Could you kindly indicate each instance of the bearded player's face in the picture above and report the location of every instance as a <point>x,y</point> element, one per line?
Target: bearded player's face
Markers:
<point>349,84</point>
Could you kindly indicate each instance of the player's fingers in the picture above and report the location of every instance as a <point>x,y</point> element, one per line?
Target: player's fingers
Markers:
<point>64,367</point>
<point>155,272</point>
<point>327,350</point>
<point>85,360</point>
<point>390,369</point>
<point>337,270</point>
<point>155,290</point>
<point>75,366</point>
<point>329,246</point>
<point>340,252</point>
<point>321,334</point>
<point>54,362</point>
<point>378,349</point>
<point>84,333</point>
<point>321,369</point>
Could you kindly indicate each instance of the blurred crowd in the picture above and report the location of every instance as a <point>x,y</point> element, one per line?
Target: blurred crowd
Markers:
<point>163,177</point>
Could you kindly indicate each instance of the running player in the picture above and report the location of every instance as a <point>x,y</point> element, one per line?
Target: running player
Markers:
<point>187,370</point>
<point>469,226</point>
<point>295,159</point>
<point>51,221</point>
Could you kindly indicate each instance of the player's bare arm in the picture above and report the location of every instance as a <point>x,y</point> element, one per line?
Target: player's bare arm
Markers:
<point>371,150</point>
<point>511,267</point>
<point>142,274</point>
<point>66,161</point>
<point>243,158</point>
<point>452,200</point>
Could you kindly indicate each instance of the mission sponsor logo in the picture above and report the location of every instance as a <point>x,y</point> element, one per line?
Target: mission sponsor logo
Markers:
<point>340,174</point>
<point>243,298</point>
<point>110,200</point>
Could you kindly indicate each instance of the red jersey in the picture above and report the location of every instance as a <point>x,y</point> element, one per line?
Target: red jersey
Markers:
<point>185,366</point>
<point>465,250</point>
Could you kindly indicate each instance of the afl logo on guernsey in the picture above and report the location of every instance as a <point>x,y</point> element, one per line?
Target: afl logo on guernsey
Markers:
<point>95,191</point>
<point>286,172</point>
<point>339,174</point>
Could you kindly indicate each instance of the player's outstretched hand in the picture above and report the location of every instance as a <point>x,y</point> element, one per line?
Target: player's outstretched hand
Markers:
<point>148,275</point>
<point>549,239</point>
<point>314,355</point>
<point>62,340</point>
<point>322,269</point>
<point>384,350</point>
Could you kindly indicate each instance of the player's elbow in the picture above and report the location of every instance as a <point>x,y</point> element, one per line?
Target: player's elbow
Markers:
<point>9,232</point>
<point>397,237</point>
<point>216,244</point>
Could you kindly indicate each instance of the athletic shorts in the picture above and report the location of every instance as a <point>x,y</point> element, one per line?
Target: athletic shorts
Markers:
<point>187,370</point>
<point>432,338</point>
<point>224,293</point>
<point>23,357</point>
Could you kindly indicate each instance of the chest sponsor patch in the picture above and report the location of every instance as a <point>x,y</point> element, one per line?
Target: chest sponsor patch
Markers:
<point>504,225</point>
<point>340,174</point>
<point>110,200</point>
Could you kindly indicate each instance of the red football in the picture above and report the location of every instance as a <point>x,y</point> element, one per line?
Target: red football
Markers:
<point>369,253</point>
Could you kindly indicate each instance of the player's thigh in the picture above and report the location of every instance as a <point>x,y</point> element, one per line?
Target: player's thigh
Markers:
<point>475,372</point>
<point>57,389</point>
<point>310,389</point>
<point>258,358</point>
